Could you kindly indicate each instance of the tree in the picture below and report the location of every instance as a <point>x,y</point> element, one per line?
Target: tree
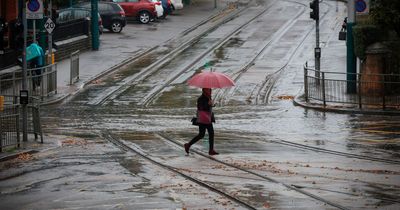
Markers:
<point>386,13</point>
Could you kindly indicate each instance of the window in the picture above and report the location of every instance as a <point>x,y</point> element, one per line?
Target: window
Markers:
<point>81,14</point>
<point>104,8</point>
<point>64,16</point>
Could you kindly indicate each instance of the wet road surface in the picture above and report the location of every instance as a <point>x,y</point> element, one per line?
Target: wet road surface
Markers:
<point>348,159</point>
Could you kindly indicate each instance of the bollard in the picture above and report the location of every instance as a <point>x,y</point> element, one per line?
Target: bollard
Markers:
<point>50,58</point>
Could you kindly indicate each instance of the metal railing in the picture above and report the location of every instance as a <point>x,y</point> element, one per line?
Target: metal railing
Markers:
<point>41,82</point>
<point>71,29</point>
<point>11,119</point>
<point>376,91</point>
<point>9,126</point>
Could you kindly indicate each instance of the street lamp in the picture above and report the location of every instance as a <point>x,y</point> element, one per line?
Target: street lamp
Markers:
<point>351,58</point>
<point>314,14</point>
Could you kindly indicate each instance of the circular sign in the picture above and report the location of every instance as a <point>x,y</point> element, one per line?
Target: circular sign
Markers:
<point>361,5</point>
<point>33,5</point>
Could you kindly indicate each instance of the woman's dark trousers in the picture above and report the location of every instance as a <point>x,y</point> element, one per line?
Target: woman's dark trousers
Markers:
<point>202,132</point>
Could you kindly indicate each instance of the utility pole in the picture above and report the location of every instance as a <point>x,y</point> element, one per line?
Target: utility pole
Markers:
<point>314,14</point>
<point>351,58</point>
<point>95,25</point>
<point>24,91</point>
<point>50,36</point>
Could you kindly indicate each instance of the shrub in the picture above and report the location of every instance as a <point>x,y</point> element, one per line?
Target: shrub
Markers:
<point>365,35</point>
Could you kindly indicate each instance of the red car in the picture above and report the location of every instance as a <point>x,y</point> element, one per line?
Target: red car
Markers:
<point>143,10</point>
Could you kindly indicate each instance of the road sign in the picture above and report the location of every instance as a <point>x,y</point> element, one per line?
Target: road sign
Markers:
<point>49,25</point>
<point>362,6</point>
<point>34,9</point>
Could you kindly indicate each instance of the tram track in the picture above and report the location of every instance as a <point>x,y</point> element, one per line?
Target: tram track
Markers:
<point>145,73</point>
<point>264,177</point>
<point>332,152</point>
<point>261,92</point>
<point>110,137</point>
<point>220,96</point>
<point>215,46</point>
<point>264,90</point>
<point>297,187</point>
<point>270,80</point>
<point>153,69</point>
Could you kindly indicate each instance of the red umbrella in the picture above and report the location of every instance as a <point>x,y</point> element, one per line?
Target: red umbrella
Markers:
<point>210,80</point>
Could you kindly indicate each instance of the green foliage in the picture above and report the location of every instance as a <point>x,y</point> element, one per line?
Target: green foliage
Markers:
<point>386,13</point>
<point>365,35</point>
<point>394,47</point>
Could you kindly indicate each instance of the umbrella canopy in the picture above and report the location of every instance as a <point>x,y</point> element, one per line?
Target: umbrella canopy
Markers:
<point>33,51</point>
<point>210,80</point>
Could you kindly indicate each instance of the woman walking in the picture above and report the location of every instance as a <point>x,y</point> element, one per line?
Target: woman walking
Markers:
<point>205,119</point>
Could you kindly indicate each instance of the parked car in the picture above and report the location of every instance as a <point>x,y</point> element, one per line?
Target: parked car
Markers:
<point>64,16</point>
<point>176,4</point>
<point>112,14</point>
<point>143,10</point>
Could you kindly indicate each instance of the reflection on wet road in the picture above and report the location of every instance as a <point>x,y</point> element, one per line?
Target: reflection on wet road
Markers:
<point>347,159</point>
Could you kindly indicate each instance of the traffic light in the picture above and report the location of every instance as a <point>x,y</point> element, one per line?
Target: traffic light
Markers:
<point>314,14</point>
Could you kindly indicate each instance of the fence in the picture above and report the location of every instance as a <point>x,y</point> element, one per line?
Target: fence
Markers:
<point>71,29</point>
<point>9,126</point>
<point>41,82</point>
<point>11,119</point>
<point>373,90</point>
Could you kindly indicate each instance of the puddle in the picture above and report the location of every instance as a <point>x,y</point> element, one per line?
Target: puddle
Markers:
<point>132,165</point>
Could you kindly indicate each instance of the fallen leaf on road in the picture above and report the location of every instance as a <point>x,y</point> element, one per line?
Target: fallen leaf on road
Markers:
<point>25,157</point>
<point>285,97</point>
<point>73,142</point>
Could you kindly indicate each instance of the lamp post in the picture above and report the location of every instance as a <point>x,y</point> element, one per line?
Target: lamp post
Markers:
<point>351,58</point>
<point>95,25</point>
<point>24,92</point>
<point>314,14</point>
<point>50,36</point>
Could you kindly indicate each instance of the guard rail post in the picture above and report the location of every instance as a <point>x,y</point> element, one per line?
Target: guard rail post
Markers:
<point>359,91</point>
<point>17,128</point>
<point>323,88</point>
<point>384,92</point>
<point>1,140</point>
<point>74,71</point>
<point>14,84</point>
<point>305,82</point>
